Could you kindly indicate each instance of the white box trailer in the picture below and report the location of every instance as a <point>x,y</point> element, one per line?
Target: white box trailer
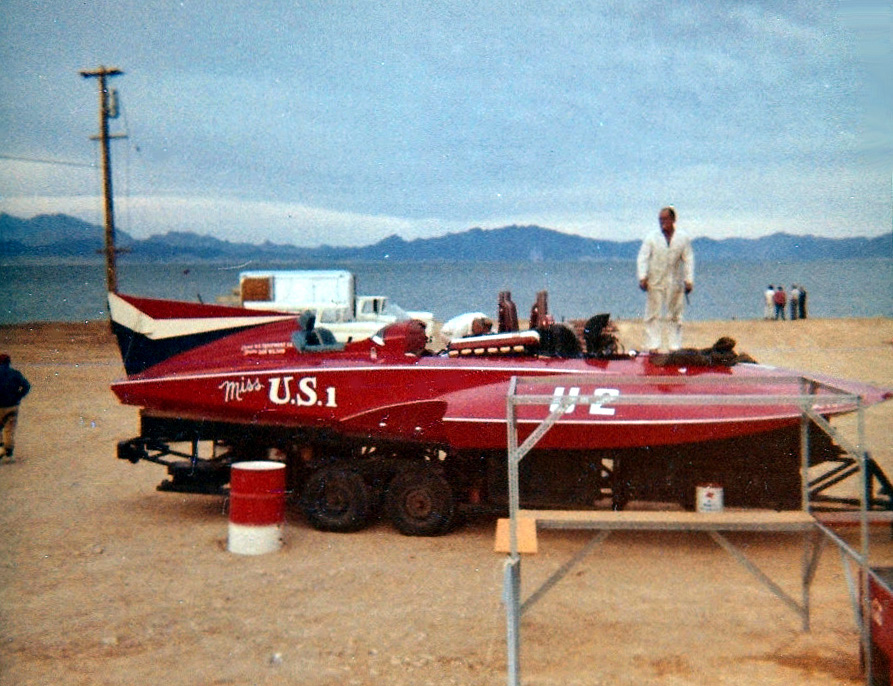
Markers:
<point>297,290</point>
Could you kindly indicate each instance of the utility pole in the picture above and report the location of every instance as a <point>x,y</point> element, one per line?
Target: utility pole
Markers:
<point>105,113</point>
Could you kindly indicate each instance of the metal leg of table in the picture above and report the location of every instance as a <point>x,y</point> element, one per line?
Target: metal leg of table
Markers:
<point>562,571</point>
<point>813,546</point>
<point>512,599</point>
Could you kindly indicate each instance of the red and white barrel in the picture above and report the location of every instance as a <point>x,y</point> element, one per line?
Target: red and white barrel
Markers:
<point>256,507</point>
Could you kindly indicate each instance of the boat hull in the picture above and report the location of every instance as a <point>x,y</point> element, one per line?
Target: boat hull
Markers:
<point>384,393</point>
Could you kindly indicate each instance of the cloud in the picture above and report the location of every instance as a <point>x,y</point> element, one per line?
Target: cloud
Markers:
<point>713,200</point>
<point>321,125</point>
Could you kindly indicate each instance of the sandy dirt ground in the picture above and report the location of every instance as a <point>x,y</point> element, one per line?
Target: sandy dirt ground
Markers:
<point>104,580</point>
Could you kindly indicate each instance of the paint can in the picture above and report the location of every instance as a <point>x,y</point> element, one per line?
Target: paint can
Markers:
<point>256,507</point>
<point>709,497</point>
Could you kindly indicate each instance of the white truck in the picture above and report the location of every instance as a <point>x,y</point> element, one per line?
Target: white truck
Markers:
<point>331,294</point>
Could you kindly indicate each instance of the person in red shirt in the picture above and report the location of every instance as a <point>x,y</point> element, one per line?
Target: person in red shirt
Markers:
<point>780,299</point>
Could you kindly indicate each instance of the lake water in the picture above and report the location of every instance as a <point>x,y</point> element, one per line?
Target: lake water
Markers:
<point>723,290</point>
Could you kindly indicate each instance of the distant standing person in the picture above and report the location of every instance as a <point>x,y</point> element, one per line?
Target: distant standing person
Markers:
<point>794,300</point>
<point>13,387</point>
<point>666,268</point>
<point>769,297</point>
<point>780,300</point>
<point>802,303</point>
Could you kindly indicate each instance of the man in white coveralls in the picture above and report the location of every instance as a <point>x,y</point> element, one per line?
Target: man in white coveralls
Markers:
<point>666,269</point>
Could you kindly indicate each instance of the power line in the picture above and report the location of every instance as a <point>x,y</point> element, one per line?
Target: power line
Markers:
<point>37,160</point>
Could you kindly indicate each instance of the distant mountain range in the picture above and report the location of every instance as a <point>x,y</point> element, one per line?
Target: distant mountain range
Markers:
<point>64,238</point>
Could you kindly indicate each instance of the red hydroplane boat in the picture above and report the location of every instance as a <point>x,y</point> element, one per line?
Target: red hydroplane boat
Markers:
<point>385,420</point>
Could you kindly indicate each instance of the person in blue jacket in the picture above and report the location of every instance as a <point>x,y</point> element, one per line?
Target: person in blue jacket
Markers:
<point>13,387</point>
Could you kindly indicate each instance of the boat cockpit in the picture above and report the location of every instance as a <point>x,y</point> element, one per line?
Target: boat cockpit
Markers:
<point>309,338</point>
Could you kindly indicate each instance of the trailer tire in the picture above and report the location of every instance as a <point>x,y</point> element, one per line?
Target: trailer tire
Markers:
<point>335,499</point>
<point>420,503</point>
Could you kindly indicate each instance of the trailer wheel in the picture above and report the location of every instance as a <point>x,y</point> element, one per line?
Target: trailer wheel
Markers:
<point>420,503</point>
<point>335,499</point>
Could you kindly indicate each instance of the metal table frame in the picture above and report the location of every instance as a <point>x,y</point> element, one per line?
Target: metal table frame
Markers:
<point>813,394</point>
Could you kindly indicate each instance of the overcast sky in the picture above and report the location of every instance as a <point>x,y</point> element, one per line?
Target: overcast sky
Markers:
<point>344,122</point>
